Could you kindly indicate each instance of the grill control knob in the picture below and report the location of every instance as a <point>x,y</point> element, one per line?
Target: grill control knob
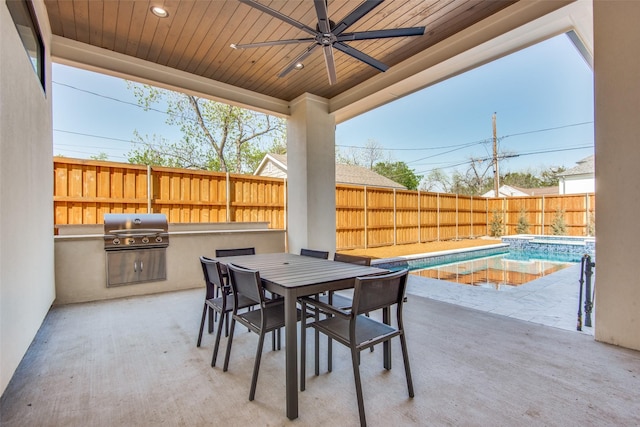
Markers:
<point>145,240</point>
<point>116,241</point>
<point>131,241</point>
<point>159,239</point>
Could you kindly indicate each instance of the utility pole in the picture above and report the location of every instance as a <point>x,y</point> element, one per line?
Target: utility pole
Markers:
<point>496,173</point>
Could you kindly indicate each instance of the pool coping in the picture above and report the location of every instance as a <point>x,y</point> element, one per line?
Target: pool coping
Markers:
<point>405,260</point>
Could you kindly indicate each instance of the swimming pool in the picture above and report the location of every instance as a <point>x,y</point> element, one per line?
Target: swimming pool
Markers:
<point>497,267</point>
<point>496,271</point>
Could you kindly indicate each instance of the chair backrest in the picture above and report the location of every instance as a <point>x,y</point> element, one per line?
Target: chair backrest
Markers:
<point>246,282</point>
<point>375,292</point>
<point>352,259</point>
<point>314,253</point>
<point>234,252</point>
<point>212,276</point>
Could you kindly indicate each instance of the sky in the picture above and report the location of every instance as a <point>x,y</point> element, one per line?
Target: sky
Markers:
<point>542,97</point>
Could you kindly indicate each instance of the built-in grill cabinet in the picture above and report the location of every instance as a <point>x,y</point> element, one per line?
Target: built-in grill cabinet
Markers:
<point>136,246</point>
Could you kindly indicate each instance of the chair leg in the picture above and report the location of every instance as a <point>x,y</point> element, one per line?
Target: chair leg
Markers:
<point>211,319</point>
<point>256,367</point>
<point>356,375</point>
<point>303,347</point>
<point>226,324</point>
<point>229,342</point>
<point>407,368</point>
<point>216,346</point>
<point>329,354</point>
<point>317,344</point>
<point>279,334</point>
<point>204,315</point>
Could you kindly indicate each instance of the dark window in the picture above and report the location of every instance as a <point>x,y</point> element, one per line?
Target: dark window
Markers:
<point>25,20</point>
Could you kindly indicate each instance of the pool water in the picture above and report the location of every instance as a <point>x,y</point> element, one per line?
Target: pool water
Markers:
<point>501,271</point>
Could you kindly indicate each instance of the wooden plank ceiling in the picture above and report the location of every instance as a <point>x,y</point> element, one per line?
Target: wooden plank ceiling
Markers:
<point>197,34</point>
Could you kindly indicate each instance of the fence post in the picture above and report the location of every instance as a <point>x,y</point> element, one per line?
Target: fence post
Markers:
<point>471,233</point>
<point>457,217</point>
<point>149,188</point>
<point>366,217</point>
<point>395,222</point>
<point>486,209</point>
<point>286,215</point>
<point>542,218</point>
<point>438,215</point>
<point>419,221</point>
<point>228,197</point>
<point>586,213</point>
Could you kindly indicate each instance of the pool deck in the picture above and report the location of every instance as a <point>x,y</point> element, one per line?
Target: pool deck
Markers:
<point>551,300</point>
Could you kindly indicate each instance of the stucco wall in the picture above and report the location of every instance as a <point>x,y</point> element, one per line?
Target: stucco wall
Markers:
<point>81,259</point>
<point>26,190</point>
<point>617,102</point>
<point>578,185</point>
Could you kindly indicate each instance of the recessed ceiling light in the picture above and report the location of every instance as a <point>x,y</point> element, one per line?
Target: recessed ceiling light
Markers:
<point>299,66</point>
<point>159,11</point>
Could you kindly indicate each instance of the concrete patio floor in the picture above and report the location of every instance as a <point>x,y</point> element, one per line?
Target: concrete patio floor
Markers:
<point>134,362</point>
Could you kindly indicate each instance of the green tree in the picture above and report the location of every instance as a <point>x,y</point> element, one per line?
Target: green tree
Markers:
<point>521,179</point>
<point>99,156</point>
<point>549,176</point>
<point>400,173</point>
<point>215,136</point>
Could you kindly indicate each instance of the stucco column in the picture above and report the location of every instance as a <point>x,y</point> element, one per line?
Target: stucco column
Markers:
<point>311,171</point>
<point>617,103</point>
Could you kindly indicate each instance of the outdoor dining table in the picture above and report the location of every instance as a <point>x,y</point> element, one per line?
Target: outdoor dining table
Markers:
<point>293,276</point>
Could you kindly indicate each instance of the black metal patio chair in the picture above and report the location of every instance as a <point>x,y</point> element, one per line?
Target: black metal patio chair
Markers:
<point>218,299</point>
<point>269,317</point>
<point>358,332</point>
<point>314,253</point>
<point>334,300</point>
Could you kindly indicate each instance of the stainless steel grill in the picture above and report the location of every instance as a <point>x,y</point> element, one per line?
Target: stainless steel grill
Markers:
<point>133,231</point>
<point>136,246</point>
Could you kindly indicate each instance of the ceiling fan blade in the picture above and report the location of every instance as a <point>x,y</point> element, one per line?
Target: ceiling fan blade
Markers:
<point>361,56</point>
<point>331,64</point>
<point>356,14</point>
<point>279,15</point>
<point>271,43</point>
<point>298,59</point>
<point>323,16</point>
<point>381,34</point>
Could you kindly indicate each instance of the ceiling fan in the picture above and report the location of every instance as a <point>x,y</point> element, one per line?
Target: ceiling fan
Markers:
<point>330,35</point>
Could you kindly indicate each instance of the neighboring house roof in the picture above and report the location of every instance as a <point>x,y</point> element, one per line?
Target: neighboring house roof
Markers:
<point>586,166</point>
<point>513,191</point>
<point>345,174</point>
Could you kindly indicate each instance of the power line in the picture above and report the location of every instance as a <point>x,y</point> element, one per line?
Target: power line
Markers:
<point>547,129</point>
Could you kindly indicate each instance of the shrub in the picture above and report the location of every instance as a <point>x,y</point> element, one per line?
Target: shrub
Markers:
<point>497,224</point>
<point>591,227</point>
<point>523,223</point>
<point>559,226</point>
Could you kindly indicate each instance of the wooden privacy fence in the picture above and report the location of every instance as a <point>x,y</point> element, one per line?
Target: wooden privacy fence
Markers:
<point>84,190</point>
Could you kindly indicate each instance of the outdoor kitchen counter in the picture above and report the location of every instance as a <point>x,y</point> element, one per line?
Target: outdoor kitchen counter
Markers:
<point>80,257</point>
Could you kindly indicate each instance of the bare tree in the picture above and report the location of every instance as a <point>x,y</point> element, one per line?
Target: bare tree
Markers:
<point>367,156</point>
<point>216,136</point>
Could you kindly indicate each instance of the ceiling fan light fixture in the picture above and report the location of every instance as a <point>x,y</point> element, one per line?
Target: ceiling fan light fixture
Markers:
<point>159,11</point>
